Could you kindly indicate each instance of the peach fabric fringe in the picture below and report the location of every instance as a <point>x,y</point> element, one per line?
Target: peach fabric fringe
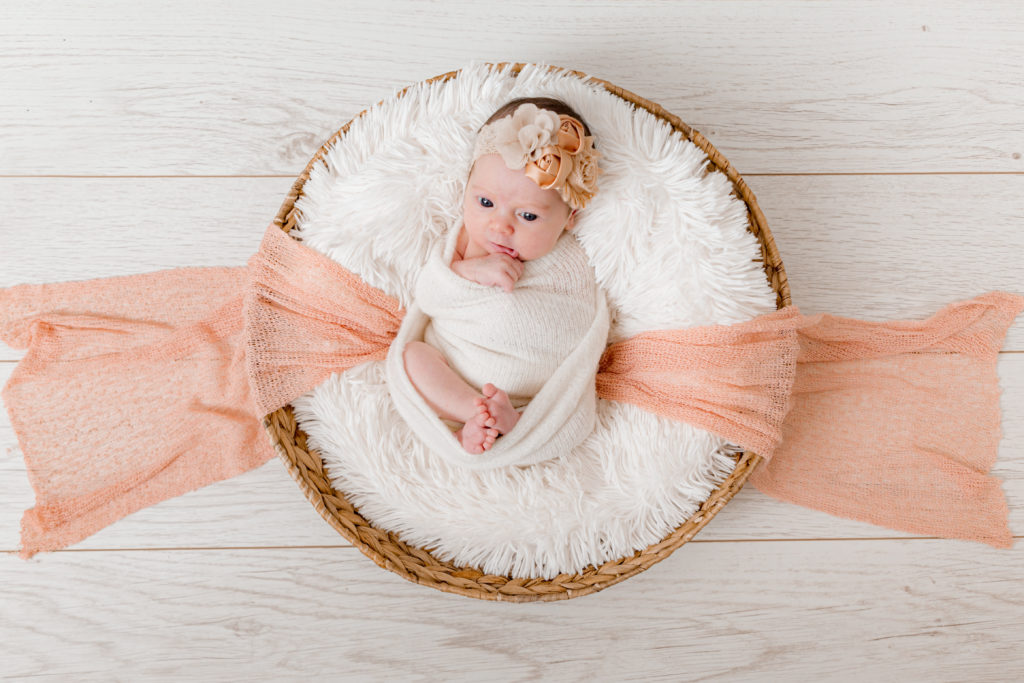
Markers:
<point>140,388</point>
<point>893,423</point>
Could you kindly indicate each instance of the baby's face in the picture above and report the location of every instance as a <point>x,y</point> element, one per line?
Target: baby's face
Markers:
<point>506,213</point>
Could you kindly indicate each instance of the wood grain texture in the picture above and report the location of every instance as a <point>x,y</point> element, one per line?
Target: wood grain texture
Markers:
<point>874,247</point>
<point>100,95</point>
<point>219,88</point>
<point>858,239</point>
<point>224,515</point>
<point>231,615</point>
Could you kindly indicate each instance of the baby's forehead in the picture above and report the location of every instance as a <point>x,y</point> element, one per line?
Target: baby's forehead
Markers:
<point>489,174</point>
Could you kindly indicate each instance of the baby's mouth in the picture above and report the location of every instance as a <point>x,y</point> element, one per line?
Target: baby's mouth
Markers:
<point>505,250</point>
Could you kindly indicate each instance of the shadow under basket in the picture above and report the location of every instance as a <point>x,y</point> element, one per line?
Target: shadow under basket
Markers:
<point>418,564</point>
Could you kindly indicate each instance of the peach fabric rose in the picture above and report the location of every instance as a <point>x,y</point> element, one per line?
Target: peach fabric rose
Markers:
<point>551,148</point>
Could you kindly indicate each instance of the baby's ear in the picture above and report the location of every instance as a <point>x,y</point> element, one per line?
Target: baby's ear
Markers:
<point>571,223</point>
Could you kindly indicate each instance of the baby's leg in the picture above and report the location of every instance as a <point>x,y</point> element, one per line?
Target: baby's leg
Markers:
<point>441,387</point>
<point>449,396</point>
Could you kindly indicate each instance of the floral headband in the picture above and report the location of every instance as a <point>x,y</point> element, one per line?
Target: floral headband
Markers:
<point>550,148</point>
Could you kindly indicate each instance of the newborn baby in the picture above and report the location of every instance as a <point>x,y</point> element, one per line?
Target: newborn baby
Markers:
<point>534,168</point>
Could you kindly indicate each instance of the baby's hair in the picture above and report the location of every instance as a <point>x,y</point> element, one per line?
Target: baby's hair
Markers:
<point>549,103</point>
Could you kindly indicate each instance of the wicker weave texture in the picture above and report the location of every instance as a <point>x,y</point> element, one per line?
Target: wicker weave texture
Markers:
<point>419,565</point>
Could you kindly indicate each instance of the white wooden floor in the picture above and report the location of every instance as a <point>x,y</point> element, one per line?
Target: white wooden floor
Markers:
<point>884,142</point>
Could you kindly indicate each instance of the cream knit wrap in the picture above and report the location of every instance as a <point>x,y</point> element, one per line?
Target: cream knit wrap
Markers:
<point>541,343</point>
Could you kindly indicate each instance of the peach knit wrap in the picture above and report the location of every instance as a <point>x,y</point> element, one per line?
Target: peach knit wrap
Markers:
<point>136,389</point>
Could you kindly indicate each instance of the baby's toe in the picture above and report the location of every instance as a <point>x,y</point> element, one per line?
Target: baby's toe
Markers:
<point>489,390</point>
<point>483,416</point>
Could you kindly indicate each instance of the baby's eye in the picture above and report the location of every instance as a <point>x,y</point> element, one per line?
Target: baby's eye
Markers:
<point>527,216</point>
<point>484,201</point>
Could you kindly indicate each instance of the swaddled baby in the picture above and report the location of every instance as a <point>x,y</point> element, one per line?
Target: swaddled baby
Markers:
<point>518,295</point>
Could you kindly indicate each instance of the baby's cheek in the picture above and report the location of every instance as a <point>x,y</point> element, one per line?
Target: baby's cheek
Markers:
<point>540,248</point>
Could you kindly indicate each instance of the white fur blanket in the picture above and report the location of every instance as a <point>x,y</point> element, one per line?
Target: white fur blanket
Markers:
<point>670,248</point>
<point>541,343</point>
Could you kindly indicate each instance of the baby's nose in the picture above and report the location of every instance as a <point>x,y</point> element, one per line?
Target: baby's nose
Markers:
<point>502,226</point>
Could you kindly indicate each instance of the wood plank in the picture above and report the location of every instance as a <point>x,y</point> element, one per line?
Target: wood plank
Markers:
<point>889,247</point>
<point>896,247</point>
<point>779,86</point>
<point>837,611</point>
<point>80,228</point>
<point>914,225</point>
<point>265,507</point>
<point>783,86</point>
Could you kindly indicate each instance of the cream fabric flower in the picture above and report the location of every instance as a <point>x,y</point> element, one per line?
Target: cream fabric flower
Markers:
<point>551,148</point>
<point>520,137</point>
<point>581,184</point>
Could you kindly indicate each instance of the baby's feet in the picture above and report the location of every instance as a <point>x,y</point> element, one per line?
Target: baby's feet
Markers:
<point>499,411</point>
<point>476,436</point>
<point>494,416</point>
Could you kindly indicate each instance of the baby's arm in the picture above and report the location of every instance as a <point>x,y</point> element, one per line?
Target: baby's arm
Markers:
<point>493,270</point>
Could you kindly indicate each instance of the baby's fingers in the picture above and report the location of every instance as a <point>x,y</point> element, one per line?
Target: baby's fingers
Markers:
<point>512,275</point>
<point>515,270</point>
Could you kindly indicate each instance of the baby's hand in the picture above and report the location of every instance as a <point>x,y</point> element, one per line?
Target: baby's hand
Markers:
<point>493,270</point>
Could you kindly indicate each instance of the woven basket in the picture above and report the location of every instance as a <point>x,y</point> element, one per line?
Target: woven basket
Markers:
<point>419,565</point>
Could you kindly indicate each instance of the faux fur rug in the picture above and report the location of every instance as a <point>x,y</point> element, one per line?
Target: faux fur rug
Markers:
<point>669,245</point>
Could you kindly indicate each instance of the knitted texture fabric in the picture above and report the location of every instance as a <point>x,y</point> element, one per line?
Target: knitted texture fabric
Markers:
<point>893,423</point>
<point>133,391</point>
<point>732,380</point>
<point>541,343</point>
<point>306,317</point>
<point>515,340</point>
<point>139,388</point>
<point>898,423</point>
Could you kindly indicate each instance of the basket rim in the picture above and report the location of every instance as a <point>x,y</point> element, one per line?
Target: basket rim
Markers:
<point>418,565</point>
